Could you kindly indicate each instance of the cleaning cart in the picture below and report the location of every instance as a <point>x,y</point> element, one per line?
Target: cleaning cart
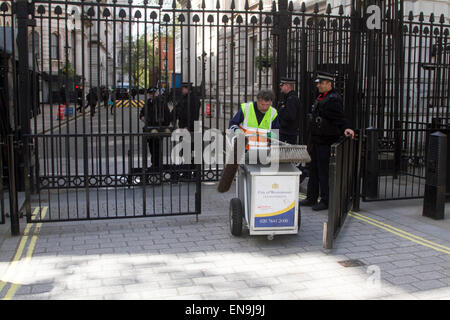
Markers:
<point>266,199</point>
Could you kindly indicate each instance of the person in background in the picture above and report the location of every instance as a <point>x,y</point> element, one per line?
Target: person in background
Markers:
<point>156,115</point>
<point>79,93</point>
<point>187,110</point>
<point>63,94</point>
<point>105,96</point>
<point>92,100</point>
<point>288,111</point>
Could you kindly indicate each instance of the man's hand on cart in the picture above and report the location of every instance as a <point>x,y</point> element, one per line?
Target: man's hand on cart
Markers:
<point>238,132</point>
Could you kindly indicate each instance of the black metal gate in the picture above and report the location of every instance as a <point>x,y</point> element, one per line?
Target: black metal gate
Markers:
<point>394,79</point>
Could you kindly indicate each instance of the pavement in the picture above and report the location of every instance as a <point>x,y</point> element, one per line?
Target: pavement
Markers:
<point>398,253</point>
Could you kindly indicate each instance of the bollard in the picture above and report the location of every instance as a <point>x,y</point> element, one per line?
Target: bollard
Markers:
<point>436,173</point>
<point>372,165</point>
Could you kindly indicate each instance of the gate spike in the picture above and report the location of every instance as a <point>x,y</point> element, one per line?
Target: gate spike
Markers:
<point>161,2</point>
<point>421,18</point>
<point>188,4</point>
<point>203,4</point>
<point>260,5</point>
<point>316,8</point>
<point>341,10</point>
<point>274,6</point>
<point>218,4</point>
<point>411,16</point>
<point>432,17</point>
<point>246,5</point>
<point>174,4</point>
<point>442,19</point>
<point>291,6</point>
<point>328,9</point>
<point>232,6</point>
<point>303,7</point>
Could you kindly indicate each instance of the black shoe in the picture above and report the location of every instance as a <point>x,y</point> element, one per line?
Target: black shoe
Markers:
<point>320,206</point>
<point>307,202</point>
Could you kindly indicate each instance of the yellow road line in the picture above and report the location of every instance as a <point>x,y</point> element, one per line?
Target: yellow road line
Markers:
<point>17,254</point>
<point>399,230</point>
<point>14,286</point>
<point>401,234</point>
<point>396,231</point>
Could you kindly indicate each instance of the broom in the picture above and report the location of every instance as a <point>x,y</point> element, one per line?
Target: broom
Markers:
<point>230,168</point>
<point>289,153</point>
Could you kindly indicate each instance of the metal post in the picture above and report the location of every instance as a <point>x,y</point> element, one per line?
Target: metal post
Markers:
<point>436,173</point>
<point>372,165</point>
<point>23,9</point>
<point>333,202</point>
<point>282,23</point>
<point>13,205</point>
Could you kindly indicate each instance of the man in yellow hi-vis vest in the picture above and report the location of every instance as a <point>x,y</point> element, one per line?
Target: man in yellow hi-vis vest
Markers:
<point>257,119</point>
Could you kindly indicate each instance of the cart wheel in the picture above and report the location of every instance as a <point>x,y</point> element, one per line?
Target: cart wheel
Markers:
<point>236,217</point>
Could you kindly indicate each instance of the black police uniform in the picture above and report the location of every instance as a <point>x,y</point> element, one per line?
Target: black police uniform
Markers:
<point>79,92</point>
<point>327,125</point>
<point>187,110</point>
<point>156,114</point>
<point>288,114</point>
<point>92,100</point>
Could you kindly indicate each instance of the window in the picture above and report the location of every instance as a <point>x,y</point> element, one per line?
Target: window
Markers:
<point>54,47</point>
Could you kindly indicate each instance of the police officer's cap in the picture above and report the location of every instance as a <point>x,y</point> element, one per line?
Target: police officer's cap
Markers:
<point>324,76</point>
<point>287,80</point>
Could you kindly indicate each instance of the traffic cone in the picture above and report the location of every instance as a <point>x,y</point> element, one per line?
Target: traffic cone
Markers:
<point>60,111</point>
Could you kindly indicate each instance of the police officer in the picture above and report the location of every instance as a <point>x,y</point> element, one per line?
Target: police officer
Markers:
<point>155,115</point>
<point>327,125</point>
<point>187,110</point>
<point>288,111</point>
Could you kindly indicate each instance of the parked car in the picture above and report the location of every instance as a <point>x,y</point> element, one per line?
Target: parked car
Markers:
<point>122,93</point>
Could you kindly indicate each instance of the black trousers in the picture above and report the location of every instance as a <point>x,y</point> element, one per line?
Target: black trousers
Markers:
<point>155,150</point>
<point>319,173</point>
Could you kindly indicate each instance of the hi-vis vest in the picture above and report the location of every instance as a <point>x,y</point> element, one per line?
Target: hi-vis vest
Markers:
<point>251,127</point>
